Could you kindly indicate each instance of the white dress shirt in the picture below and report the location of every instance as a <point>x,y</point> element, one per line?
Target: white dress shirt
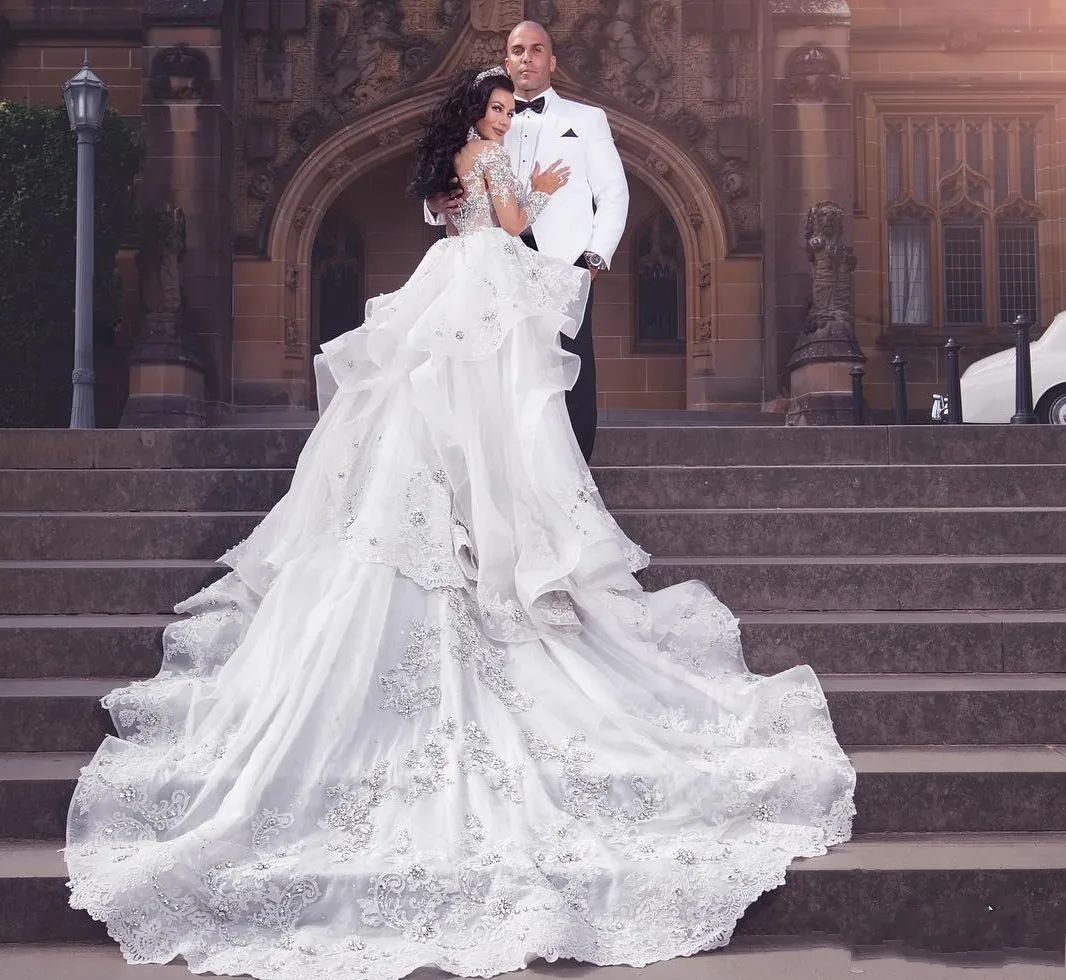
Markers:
<point>526,129</point>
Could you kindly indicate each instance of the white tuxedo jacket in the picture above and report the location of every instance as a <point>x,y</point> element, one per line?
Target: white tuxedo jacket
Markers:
<point>589,213</point>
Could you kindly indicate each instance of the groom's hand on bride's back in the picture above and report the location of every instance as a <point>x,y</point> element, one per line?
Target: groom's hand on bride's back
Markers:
<point>446,202</point>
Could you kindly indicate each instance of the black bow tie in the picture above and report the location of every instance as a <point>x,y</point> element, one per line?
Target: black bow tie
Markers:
<point>537,105</point>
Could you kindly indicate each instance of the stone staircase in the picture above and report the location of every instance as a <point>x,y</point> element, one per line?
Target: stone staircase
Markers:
<point>921,571</point>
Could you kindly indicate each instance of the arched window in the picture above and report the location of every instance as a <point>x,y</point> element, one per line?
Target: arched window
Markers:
<point>337,279</point>
<point>659,278</point>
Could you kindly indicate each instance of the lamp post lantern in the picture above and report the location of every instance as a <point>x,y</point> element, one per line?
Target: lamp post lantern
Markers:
<point>85,96</point>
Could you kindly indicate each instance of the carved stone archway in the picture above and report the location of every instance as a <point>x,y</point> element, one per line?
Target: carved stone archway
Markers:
<point>348,154</point>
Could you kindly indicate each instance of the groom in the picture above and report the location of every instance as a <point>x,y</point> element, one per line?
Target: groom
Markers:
<point>584,220</point>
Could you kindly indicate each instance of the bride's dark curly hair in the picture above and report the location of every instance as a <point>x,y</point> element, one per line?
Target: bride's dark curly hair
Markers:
<point>447,128</point>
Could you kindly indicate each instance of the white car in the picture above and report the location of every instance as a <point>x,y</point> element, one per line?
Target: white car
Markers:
<point>988,384</point>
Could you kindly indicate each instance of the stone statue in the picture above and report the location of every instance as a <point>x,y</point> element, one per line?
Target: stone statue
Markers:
<point>832,268</point>
<point>159,265</point>
<point>820,365</point>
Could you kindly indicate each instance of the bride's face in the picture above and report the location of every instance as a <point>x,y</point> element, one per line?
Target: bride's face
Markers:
<point>498,114</point>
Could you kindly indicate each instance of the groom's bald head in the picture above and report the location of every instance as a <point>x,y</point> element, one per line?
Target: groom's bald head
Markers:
<point>532,27</point>
<point>530,59</point>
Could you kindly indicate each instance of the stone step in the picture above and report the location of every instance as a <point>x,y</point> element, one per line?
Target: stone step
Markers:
<point>150,534</point>
<point>834,487</point>
<point>831,642</point>
<point>801,531</point>
<point>888,582</point>
<point>752,584</point>
<point>935,892</point>
<point>63,714</point>
<point>746,958</point>
<point>1012,788</point>
<point>623,487</point>
<point>621,444</point>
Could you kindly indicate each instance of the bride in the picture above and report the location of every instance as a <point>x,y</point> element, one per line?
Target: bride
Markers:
<point>429,717</point>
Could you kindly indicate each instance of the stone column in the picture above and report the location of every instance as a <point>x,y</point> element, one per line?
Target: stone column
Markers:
<point>180,367</point>
<point>807,136</point>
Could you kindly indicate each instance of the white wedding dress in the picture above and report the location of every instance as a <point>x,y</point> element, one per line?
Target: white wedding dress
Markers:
<point>429,718</point>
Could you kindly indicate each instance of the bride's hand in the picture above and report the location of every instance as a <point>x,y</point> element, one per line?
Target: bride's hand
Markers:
<point>551,179</point>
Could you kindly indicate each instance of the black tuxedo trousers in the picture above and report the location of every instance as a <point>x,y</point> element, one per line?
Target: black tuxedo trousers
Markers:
<point>581,399</point>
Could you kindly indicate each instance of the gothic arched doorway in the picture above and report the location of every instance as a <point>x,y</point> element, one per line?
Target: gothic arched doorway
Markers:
<point>337,278</point>
<point>362,169</point>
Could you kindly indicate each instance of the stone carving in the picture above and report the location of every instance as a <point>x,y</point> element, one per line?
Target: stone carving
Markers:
<point>695,216</point>
<point>629,49</point>
<point>812,74</point>
<point>261,184</point>
<point>705,330</point>
<point>364,54</point>
<point>162,338</point>
<point>688,126</point>
<point>292,276</point>
<point>260,139</point>
<point>542,11</point>
<point>734,182</point>
<point>160,267</point>
<point>306,125</point>
<point>495,16</point>
<point>448,11</point>
<point>179,73</point>
<point>965,208</point>
<point>720,84</point>
<point>338,168</point>
<point>832,310</point>
<point>301,217</point>
<point>292,336</point>
<point>965,38</point>
<point>657,165</point>
<point>704,280</point>
<point>1017,208</point>
<point>274,76</point>
<point>908,207</point>
<point>828,9</point>
<point>358,54</point>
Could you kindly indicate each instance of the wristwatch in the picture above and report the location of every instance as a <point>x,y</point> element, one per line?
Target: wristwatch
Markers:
<point>595,261</point>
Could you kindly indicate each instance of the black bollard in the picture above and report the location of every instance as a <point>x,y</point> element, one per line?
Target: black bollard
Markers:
<point>899,365</point>
<point>857,413</point>
<point>1023,375</point>
<point>954,383</point>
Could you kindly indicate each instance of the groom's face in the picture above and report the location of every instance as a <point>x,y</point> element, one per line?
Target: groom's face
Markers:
<point>530,61</point>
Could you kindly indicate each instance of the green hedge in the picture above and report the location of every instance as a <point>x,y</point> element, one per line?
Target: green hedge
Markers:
<point>38,194</point>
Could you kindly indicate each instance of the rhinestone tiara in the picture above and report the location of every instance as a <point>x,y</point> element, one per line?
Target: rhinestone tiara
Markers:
<point>488,73</point>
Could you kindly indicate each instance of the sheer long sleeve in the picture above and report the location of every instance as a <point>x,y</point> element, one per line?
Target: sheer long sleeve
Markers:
<point>515,210</point>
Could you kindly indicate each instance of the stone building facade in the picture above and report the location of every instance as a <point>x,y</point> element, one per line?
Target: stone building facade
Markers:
<point>278,136</point>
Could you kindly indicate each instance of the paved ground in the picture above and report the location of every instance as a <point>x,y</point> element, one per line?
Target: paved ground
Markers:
<point>754,963</point>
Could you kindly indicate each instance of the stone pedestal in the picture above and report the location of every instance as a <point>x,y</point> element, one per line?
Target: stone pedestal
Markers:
<point>820,375</point>
<point>166,379</point>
